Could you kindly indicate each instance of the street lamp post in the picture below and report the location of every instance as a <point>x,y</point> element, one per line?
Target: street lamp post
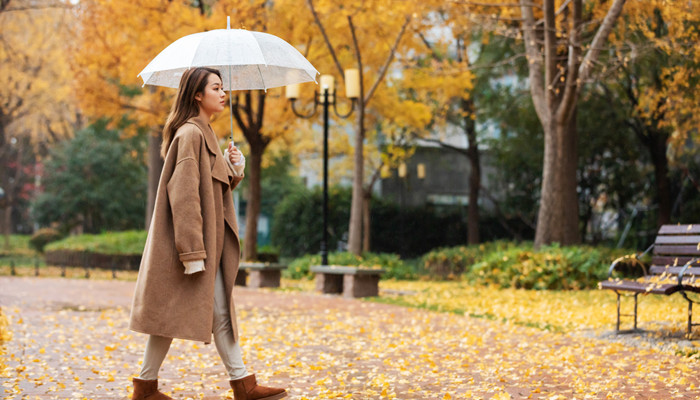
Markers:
<point>326,98</point>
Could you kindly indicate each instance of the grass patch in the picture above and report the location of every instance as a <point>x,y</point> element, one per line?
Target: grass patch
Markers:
<point>19,252</point>
<point>19,247</point>
<point>126,242</point>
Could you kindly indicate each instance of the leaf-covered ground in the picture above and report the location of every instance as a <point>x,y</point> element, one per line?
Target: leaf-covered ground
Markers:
<point>70,340</point>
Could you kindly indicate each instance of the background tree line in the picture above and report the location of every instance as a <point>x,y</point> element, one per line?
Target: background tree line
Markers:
<point>594,104</point>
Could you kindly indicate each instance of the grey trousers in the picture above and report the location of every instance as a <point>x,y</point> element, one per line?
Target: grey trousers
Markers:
<point>230,352</point>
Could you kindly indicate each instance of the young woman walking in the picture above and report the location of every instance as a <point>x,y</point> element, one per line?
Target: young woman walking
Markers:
<point>189,265</point>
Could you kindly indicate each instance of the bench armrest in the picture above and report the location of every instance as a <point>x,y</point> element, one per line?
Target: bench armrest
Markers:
<point>634,257</point>
<point>685,268</point>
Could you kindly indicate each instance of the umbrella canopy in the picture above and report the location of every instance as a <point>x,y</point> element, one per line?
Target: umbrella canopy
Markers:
<point>247,60</point>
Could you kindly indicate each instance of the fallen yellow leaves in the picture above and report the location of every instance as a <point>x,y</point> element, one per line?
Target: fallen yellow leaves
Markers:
<point>326,347</point>
<point>561,311</point>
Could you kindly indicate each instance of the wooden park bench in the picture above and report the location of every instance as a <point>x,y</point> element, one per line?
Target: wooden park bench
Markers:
<point>261,274</point>
<point>350,281</point>
<point>675,267</point>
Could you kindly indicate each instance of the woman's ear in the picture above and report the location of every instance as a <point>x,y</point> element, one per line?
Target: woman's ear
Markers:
<point>198,96</point>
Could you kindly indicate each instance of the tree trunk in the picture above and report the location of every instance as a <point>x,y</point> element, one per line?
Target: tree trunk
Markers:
<point>12,186</point>
<point>355,228</point>
<point>254,166</point>
<point>366,219</point>
<point>557,219</point>
<point>657,150</point>
<point>155,166</point>
<point>555,84</point>
<point>474,175</point>
<point>7,217</point>
<point>5,185</point>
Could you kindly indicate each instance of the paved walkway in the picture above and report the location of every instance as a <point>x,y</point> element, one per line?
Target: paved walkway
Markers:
<point>70,341</point>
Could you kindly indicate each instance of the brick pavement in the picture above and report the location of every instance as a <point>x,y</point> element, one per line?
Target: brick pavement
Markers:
<point>70,341</point>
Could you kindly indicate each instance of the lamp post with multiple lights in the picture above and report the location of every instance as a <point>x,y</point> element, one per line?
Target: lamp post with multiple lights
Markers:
<point>326,98</point>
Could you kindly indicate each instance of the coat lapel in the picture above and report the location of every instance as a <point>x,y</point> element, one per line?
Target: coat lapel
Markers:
<point>219,170</point>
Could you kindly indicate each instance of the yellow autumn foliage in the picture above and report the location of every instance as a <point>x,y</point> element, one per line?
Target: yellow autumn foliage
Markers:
<point>670,33</point>
<point>35,84</point>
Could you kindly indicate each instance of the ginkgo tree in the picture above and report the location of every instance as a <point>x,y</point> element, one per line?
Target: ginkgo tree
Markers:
<point>653,67</point>
<point>367,36</point>
<point>563,41</point>
<point>36,106</point>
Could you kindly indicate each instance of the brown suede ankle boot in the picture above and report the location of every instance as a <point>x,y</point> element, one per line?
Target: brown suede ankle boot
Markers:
<point>247,389</point>
<point>147,390</point>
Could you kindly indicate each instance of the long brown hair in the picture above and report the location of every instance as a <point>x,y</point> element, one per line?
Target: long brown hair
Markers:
<point>193,81</point>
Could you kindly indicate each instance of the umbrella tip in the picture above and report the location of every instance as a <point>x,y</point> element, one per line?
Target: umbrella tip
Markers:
<point>228,22</point>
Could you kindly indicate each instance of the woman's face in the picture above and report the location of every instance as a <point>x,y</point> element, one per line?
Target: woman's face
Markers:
<point>212,100</point>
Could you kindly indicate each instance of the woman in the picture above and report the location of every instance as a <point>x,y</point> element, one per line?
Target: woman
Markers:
<point>190,261</point>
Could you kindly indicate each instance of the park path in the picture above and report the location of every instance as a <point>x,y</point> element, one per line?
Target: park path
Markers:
<point>70,341</point>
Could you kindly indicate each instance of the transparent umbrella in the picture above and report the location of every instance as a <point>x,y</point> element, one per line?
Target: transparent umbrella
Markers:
<point>246,59</point>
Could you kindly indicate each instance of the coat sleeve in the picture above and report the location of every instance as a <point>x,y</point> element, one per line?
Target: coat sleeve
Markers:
<point>183,195</point>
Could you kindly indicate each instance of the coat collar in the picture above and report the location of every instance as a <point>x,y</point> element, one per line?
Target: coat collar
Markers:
<point>208,133</point>
<point>219,170</point>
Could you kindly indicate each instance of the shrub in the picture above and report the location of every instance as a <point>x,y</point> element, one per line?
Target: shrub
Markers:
<point>297,226</point>
<point>394,267</point>
<point>507,264</point>
<point>451,262</point>
<point>42,237</point>
<point>550,267</point>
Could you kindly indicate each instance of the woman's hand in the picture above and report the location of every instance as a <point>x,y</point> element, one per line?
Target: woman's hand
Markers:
<point>234,155</point>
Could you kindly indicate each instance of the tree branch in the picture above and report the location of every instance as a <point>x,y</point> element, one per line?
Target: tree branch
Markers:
<point>235,110</point>
<point>358,56</point>
<point>428,45</point>
<point>261,110</point>
<point>572,83</point>
<point>389,59</point>
<point>534,60</point>
<point>325,36</point>
<point>600,38</point>
<point>550,52</point>
<point>248,108</point>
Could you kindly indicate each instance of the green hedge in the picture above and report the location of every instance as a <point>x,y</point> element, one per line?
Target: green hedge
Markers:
<point>297,226</point>
<point>509,265</point>
<point>393,265</point>
<point>126,242</point>
<point>406,231</point>
<point>452,262</point>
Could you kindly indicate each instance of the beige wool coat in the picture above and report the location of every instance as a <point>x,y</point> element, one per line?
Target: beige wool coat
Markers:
<point>193,219</point>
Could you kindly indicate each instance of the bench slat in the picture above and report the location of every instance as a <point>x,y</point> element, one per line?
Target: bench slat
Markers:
<point>670,260</point>
<point>678,239</point>
<point>677,250</point>
<point>679,229</point>
<point>640,287</point>
<point>660,269</point>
